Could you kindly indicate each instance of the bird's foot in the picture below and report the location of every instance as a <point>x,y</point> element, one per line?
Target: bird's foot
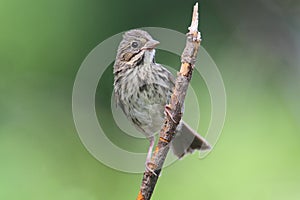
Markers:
<point>150,169</point>
<point>168,113</point>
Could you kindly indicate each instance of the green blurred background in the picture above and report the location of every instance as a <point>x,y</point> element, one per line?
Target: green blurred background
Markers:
<point>256,45</point>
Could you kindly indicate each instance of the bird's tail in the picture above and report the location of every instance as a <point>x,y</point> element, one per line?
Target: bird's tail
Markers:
<point>187,140</point>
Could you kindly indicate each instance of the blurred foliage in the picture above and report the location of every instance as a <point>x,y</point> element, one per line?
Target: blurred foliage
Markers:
<point>256,46</point>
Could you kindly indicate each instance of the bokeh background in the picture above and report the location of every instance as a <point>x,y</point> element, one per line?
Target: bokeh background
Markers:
<point>256,45</point>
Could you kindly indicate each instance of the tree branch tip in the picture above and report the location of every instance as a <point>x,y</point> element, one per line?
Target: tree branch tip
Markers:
<point>194,25</point>
<point>193,29</point>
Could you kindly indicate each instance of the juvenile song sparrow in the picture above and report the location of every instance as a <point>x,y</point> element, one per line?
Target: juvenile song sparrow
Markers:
<point>143,87</point>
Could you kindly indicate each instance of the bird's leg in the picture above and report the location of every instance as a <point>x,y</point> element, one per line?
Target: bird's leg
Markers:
<point>148,160</point>
<point>152,140</point>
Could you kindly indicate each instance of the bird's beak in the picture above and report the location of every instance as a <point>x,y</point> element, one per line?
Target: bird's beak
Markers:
<point>151,44</point>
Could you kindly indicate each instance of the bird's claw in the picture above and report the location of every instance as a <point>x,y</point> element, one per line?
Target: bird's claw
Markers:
<point>150,169</point>
<point>168,113</point>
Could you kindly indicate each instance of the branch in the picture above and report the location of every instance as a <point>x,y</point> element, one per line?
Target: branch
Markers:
<point>173,110</point>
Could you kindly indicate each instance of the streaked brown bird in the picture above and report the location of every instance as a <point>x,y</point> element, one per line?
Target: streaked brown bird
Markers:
<point>143,87</point>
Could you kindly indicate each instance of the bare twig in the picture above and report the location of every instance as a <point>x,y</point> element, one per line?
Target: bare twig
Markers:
<point>173,110</point>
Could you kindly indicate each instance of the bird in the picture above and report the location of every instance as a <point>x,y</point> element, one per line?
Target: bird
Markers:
<point>142,88</point>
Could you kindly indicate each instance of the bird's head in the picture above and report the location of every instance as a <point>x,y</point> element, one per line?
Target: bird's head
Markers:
<point>136,47</point>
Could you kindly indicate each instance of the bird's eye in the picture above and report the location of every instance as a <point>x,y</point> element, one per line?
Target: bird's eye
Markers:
<point>134,44</point>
